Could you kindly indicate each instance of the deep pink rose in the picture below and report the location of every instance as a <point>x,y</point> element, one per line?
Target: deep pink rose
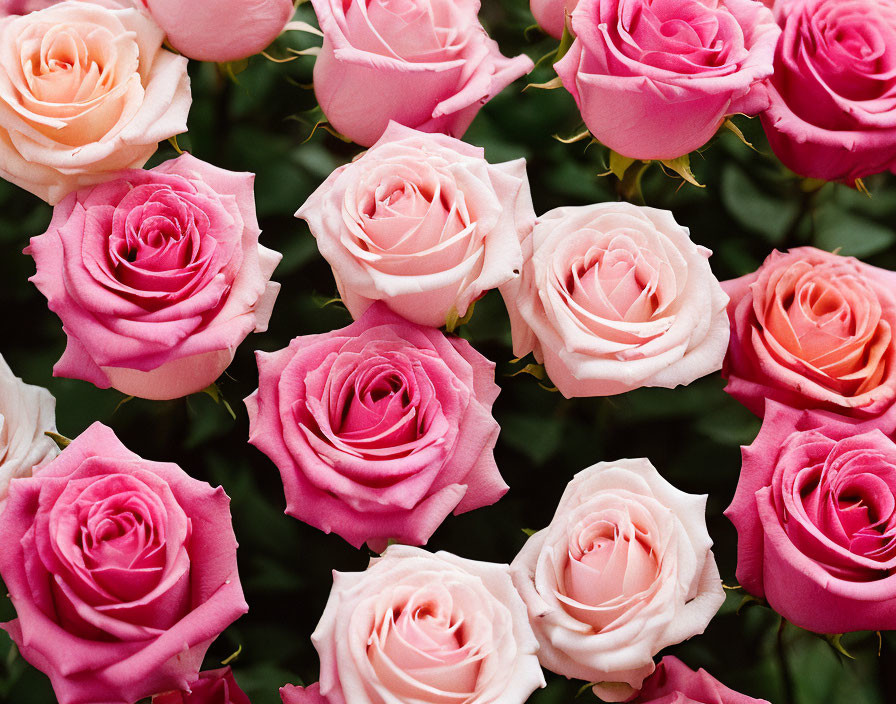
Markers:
<point>290,694</point>
<point>427,64</point>
<point>379,430</point>
<point>815,512</point>
<point>673,682</point>
<point>23,7</point>
<point>122,571</point>
<point>157,277</point>
<point>212,687</point>
<point>833,94</point>
<point>655,79</point>
<point>551,14</point>
<point>813,330</point>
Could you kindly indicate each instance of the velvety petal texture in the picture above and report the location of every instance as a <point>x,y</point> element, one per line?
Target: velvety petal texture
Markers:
<point>157,277</point>
<point>86,90</point>
<point>422,222</point>
<point>813,329</point>
<point>655,79</point>
<point>673,682</point>
<point>426,628</point>
<point>122,571</point>
<point>623,570</point>
<point>613,297</point>
<point>212,687</point>
<point>426,64</point>
<point>379,430</point>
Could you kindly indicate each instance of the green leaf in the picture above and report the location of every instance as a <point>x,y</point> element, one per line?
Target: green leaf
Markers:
<point>768,215</point>
<point>565,41</point>
<point>854,235</point>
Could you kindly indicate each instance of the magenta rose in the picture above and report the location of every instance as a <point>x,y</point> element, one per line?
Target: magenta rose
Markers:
<point>815,512</point>
<point>379,430</point>
<point>157,277</point>
<point>655,79</point>
<point>673,682</point>
<point>813,330</point>
<point>833,94</point>
<point>427,64</point>
<point>212,687</point>
<point>290,694</point>
<point>122,571</point>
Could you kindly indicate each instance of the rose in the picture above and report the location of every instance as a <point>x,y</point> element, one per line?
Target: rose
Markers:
<point>623,570</point>
<point>212,687</point>
<point>551,14</point>
<point>613,297</point>
<point>85,91</point>
<point>427,64</point>
<point>655,79</point>
<point>23,7</point>
<point>157,276</point>
<point>122,571</point>
<point>815,519</point>
<point>675,682</point>
<point>833,94</point>
<point>379,430</point>
<point>26,413</point>
<point>813,330</point>
<point>210,30</point>
<point>391,633</point>
<point>422,222</point>
<point>290,694</point>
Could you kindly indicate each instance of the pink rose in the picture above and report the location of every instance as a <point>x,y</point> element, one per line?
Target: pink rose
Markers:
<point>427,64</point>
<point>614,297</point>
<point>655,79</point>
<point>122,571</point>
<point>422,222</point>
<point>23,7</point>
<point>833,94</point>
<point>212,687</point>
<point>813,330</point>
<point>211,30</point>
<point>623,570</point>
<point>391,633</point>
<point>379,430</point>
<point>676,683</point>
<point>62,127</point>
<point>157,276</point>
<point>815,512</point>
<point>290,694</point>
<point>551,14</point>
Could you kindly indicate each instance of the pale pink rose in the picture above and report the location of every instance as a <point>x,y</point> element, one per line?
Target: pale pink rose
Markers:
<point>614,297</point>
<point>290,694</point>
<point>422,222</point>
<point>427,64</point>
<point>623,570</point>
<point>379,430</point>
<point>552,15</point>
<point>655,79</point>
<point>86,90</point>
<point>676,683</point>
<point>212,687</point>
<point>122,571</point>
<point>391,633</point>
<point>157,277</point>
<point>216,30</point>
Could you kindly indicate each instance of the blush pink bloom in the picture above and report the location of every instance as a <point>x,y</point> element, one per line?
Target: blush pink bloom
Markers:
<point>391,633</point>
<point>655,79</point>
<point>122,571</point>
<point>157,277</point>
<point>379,430</point>
<point>216,30</point>
<point>86,90</point>
<point>833,94</point>
<point>551,15</point>
<point>676,683</point>
<point>212,687</point>
<point>427,64</point>
<point>422,222</point>
<point>290,694</point>
<point>815,512</point>
<point>613,297</point>
<point>623,570</point>
<point>813,329</point>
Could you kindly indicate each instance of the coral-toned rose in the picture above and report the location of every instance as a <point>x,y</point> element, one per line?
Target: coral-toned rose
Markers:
<point>212,687</point>
<point>157,277</point>
<point>379,430</point>
<point>212,30</point>
<point>623,570</point>
<point>655,79</point>
<point>833,94</point>
<point>85,90</point>
<point>673,682</point>
<point>815,513</point>
<point>122,571</point>
<point>813,330</point>
<point>422,222</point>
<point>290,694</point>
<point>426,64</point>
<point>551,15</point>
<point>613,297</point>
<point>428,628</point>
